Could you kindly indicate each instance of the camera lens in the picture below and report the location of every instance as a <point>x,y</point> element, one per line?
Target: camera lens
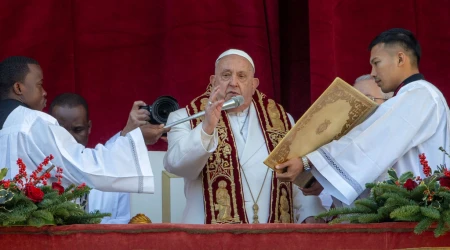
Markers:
<point>161,109</point>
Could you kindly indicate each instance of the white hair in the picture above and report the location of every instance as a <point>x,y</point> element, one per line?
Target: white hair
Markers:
<point>369,77</point>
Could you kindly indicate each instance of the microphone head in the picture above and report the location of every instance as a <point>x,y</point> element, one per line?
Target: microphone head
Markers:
<point>238,99</point>
<point>234,102</point>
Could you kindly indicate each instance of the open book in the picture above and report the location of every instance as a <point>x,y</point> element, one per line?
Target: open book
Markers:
<point>339,109</point>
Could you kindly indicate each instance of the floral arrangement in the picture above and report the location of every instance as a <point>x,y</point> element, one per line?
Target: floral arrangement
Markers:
<point>404,198</point>
<point>28,200</point>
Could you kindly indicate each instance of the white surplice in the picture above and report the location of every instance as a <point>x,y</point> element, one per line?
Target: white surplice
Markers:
<point>189,150</point>
<point>118,204</point>
<point>32,135</point>
<point>415,121</point>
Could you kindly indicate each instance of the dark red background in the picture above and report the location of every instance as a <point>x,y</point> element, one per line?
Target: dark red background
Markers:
<point>114,52</point>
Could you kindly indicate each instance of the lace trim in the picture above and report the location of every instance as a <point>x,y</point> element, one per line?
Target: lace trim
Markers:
<point>333,163</point>
<point>136,160</point>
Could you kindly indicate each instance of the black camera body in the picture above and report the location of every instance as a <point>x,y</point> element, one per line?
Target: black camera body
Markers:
<point>160,109</point>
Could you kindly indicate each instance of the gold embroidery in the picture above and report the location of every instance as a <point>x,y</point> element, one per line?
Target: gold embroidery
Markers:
<point>223,203</point>
<point>220,165</point>
<point>274,115</point>
<point>322,127</point>
<point>284,207</point>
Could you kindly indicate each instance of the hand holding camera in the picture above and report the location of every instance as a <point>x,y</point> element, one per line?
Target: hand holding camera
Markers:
<point>151,118</point>
<point>137,117</point>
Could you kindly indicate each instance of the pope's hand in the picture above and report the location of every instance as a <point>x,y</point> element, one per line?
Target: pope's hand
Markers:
<point>152,132</point>
<point>137,117</point>
<point>291,169</point>
<point>212,111</point>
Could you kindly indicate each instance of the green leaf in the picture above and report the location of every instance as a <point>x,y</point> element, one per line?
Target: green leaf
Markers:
<point>3,172</point>
<point>406,176</point>
<point>392,174</point>
<point>5,196</point>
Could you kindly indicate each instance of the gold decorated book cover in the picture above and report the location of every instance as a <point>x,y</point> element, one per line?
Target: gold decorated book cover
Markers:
<point>339,109</point>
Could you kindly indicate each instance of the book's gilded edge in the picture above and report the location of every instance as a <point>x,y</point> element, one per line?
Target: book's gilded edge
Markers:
<point>338,90</point>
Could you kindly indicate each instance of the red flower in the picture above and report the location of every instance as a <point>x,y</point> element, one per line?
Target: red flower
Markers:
<point>410,184</point>
<point>35,194</point>
<point>445,182</point>
<point>58,187</point>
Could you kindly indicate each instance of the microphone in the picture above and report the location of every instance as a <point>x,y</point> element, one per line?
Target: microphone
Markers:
<point>234,102</point>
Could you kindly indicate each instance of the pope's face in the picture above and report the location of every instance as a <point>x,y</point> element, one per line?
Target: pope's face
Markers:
<point>235,76</point>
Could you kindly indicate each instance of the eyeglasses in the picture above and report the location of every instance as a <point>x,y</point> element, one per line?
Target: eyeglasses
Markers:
<point>376,98</point>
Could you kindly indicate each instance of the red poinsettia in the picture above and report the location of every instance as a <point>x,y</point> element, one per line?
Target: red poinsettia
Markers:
<point>410,184</point>
<point>35,194</point>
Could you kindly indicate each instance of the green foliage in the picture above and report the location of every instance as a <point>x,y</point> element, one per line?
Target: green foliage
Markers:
<point>54,209</point>
<point>5,195</point>
<point>428,203</point>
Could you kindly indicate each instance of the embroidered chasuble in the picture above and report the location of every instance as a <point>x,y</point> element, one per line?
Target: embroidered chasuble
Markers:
<point>222,178</point>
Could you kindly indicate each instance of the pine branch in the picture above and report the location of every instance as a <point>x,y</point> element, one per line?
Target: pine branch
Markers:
<point>369,203</point>
<point>370,218</point>
<point>417,193</point>
<point>345,218</point>
<point>430,212</point>
<point>405,212</point>
<point>423,225</point>
<point>441,229</point>
<point>394,189</point>
<point>338,211</point>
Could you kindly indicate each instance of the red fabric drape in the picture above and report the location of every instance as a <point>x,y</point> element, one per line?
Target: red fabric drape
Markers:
<point>114,52</point>
<point>341,31</point>
<point>237,236</point>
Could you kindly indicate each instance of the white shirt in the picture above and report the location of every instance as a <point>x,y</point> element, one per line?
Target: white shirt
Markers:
<point>32,135</point>
<point>413,122</point>
<point>189,150</point>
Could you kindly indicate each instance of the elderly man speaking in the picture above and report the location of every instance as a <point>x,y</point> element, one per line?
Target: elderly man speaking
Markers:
<point>221,154</point>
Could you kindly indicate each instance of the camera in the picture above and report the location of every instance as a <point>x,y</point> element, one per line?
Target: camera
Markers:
<point>160,109</point>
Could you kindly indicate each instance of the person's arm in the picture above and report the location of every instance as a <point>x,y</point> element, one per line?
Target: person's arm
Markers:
<point>189,149</point>
<point>343,167</point>
<point>124,166</point>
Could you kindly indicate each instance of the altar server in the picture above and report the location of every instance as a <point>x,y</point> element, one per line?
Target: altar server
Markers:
<point>31,135</point>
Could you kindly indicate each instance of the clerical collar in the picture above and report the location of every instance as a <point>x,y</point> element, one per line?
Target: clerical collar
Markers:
<point>242,113</point>
<point>6,107</point>
<point>410,79</point>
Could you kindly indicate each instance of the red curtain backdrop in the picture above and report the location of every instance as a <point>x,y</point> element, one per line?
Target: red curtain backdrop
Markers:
<point>114,52</point>
<point>341,31</point>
